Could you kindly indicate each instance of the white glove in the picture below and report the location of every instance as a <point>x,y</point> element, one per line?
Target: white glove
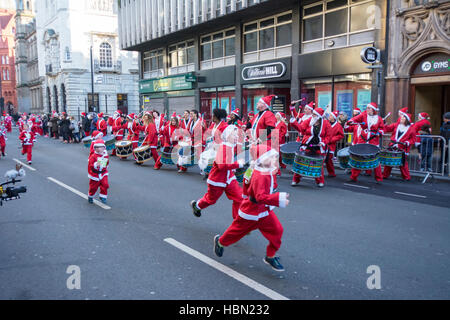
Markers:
<point>292,120</point>
<point>241,163</point>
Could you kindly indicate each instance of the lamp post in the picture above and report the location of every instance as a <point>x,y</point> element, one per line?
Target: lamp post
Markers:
<point>92,82</point>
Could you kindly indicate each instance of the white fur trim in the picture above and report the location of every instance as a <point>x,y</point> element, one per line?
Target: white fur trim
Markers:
<point>251,217</point>
<point>283,199</point>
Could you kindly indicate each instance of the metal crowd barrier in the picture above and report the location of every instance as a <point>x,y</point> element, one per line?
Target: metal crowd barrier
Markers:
<point>428,159</point>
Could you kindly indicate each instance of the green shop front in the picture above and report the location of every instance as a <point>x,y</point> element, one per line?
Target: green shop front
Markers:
<point>169,94</point>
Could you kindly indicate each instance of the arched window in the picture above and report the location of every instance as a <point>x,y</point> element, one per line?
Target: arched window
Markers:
<point>105,55</point>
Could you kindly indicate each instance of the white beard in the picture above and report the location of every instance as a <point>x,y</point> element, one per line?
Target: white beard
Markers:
<point>372,120</point>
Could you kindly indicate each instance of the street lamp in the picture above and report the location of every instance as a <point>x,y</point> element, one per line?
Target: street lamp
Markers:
<point>92,82</point>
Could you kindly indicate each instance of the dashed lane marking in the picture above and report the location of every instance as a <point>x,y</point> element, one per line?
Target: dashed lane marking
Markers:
<point>25,165</point>
<point>410,194</point>
<point>84,196</point>
<point>355,185</point>
<point>228,271</point>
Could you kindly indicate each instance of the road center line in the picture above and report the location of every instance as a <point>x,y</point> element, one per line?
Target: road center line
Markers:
<point>410,194</point>
<point>228,271</point>
<point>25,165</point>
<point>355,185</point>
<point>84,196</point>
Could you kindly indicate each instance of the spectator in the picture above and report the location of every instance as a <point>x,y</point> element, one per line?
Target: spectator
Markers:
<point>445,133</point>
<point>94,119</point>
<point>65,130</point>
<point>75,130</point>
<point>45,125</point>
<point>55,131</point>
<point>425,148</point>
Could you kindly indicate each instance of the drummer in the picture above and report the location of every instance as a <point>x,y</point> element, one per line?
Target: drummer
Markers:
<point>102,126</point>
<point>133,130</point>
<point>402,138</point>
<point>299,118</point>
<point>336,134</point>
<point>171,135</point>
<point>118,127</point>
<point>369,129</point>
<point>151,136</point>
<point>315,132</point>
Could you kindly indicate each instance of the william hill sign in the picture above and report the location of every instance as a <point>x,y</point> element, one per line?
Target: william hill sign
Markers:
<point>264,71</point>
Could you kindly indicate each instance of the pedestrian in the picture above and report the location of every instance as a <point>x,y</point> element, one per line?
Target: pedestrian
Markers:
<point>425,148</point>
<point>75,125</point>
<point>221,178</point>
<point>3,139</point>
<point>27,138</point>
<point>65,128</point>
<point>445,133</point>
<point>98,171</point>
<point>256,211</point>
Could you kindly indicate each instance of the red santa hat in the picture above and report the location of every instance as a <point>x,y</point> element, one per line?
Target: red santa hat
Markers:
<point>319,112</point>
<point>406,115</point>
<point>404,110</point>
<point>100,115</point>
<point>267,100</point>
<point>310,105</point>
<point>251,114</point>
<point>83,114</point>
<point>424,115</point>
<point>99,143</point>
<point>357,110</point>
<point>373,106</point>
<point>174,115</point>
<point>97,135</point>
<point>335,114</point>
<point>282,115</point>
<point>236,112</point>
<point>131,116</point>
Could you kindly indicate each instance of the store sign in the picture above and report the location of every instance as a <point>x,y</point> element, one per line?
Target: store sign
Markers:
<point>264,71</point>
<point>165,84</point>
<point>436,63</point>
<point>370,55</point>
<point>190,77</point>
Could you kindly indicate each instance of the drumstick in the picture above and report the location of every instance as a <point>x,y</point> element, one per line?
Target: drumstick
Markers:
<point>387,116</point>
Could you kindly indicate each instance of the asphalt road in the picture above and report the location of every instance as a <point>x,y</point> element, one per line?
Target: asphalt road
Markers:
<point>148,245</point>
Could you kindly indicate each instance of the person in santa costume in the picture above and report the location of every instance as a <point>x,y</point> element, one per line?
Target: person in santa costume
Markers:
<point>221,178</point>
<point>27,137</point>
<point>256,211</point>
<point>98,171</point>
<point>402,138</point>
<point>159,123</point>
<point>218,125</point>
<point>196,130</point>
<point>336,134</point>
<point>370,129</point>
<point>316,133</point>
<point>133,130</point>
<point>299,118</point>
<point>185,121</point>
<point>118,127</point>
<point>151,136</point>
<point>3,138</point>
<point>102,125</point>
<point>281,128</point>
<point>264,122</point>
<point>424,119</point>
<point>96,135</point>
<point>171,136</point>
<point>8,123</point>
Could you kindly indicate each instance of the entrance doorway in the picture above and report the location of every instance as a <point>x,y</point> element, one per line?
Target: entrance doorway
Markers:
<point>122,103</point>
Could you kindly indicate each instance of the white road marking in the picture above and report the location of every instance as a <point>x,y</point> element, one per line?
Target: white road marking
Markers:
<point>410,194</point>
<point>84,196</point>
<point>228,271</point>
<point>355,185</point>
<point>25,165</point>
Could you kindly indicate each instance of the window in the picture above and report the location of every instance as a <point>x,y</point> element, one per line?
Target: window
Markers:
<point>268,33</point>
<point>67,54</point>
<point>336,23</point>
<point>218,47</point>
<point>105,55</point>
<point>154,60</point>
<point>181,54</point>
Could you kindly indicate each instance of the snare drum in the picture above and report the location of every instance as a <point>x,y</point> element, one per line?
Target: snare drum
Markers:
<point>343,156</point>
<point>288,151</point>
<point>308,165</point>
<point>87,141</point>
<point>142,154</point>
<point>110,143</point>
<point>392,158</point>
<point>186,156</point>
<point>364,156</point>
<point>124,149</point>
<point>169,156</point>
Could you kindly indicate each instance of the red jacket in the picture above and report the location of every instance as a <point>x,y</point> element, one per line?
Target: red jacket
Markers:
<point>102,126</point>
<point>282,132</point>
<point>408,137</point>
<point>262,121</point>
<point>151,136</point>
<point>196,130</point>
<point>261,198</point>
<point>336,134</point>
<point>370,132</point>
<point>171,135</point>
<point>118,128</point>
<point>27,137</point>
<point>222,172</point>
<point>306,130</point>
<point>133,131</point>
<point>214,132</point>
<point>96,171</point>
<point>417,126</point>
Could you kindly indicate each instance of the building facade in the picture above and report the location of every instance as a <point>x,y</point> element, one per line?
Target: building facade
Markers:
<point>418,74</point>
<point>29,80</point>
<point>205,54</point>
<point>79,55</point>
<point>8,98</point>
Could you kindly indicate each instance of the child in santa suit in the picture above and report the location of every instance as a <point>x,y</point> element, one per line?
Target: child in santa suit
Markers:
<point>221,178</point>
<point>2,139</point>
<point>8,123</point>
<point>98,171</point>
<point>95,136</point>
<point>27,138</point>
<point>256,211</point>
<point>336,134</point>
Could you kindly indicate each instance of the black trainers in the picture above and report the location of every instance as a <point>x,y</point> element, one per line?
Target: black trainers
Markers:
<point>218,249</point>
<point>274,263</point>
<point>196,211</point>
<point>90,199</point>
